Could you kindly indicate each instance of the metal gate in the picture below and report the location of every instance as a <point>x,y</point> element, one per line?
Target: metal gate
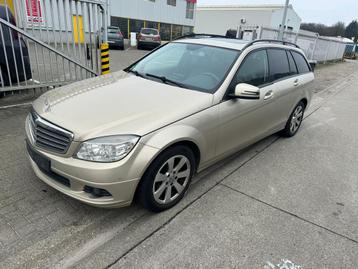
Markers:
<point>49,43</point>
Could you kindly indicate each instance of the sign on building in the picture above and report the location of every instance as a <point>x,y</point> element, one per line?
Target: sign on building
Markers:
<point>34,12</point>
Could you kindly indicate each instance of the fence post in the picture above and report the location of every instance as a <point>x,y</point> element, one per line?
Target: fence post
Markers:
<point>105,59</point>
<point>314,47</point>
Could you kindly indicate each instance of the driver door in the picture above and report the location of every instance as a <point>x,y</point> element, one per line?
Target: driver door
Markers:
<point>244,121</point>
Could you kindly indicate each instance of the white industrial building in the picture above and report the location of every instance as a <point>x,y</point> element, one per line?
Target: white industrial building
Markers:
<point>172,17</point>
<point>218,19</point>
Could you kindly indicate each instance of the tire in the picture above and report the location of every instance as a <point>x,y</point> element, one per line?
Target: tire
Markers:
<point>139,46</point>
<point>162,188</point>
<point>295,120</point>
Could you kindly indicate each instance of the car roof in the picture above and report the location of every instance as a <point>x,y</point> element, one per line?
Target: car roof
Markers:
<point>230,43</point>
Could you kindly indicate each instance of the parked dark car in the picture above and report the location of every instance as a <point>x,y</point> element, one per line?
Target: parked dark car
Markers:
<point>14,58</point>
<point>149,38</point>
<point>115,38</point>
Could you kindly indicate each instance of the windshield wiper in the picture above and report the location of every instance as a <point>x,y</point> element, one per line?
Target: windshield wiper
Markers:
<point>136,73</point>
<point>166,80</point>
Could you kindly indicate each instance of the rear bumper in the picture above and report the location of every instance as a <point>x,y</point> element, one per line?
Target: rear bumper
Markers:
<point>116,43</point>
<point>149,43</point>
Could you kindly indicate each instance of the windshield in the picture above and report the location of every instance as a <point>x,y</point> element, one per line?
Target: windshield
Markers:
<point>149,32</point>
<point>193,66</point>
<point>113,30</point>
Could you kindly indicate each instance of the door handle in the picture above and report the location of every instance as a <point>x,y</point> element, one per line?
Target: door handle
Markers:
<point>268,95</point>
<point>295,83</point>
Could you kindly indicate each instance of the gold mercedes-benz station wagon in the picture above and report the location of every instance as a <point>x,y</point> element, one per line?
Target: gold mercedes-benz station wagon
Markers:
<point>145,131</point>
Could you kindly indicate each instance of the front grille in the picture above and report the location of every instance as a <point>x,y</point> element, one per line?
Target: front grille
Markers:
<point>48,135</point>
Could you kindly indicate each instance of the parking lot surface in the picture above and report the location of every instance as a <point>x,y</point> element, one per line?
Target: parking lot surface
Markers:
<point>281,200</point>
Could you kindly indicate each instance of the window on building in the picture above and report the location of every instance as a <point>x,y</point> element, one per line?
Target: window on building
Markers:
<point>189,10</point>
<point>172,2</point>
<point>165,31</point>
<point>254,70</point>
<point>176,31</point>
<point>278,62</point>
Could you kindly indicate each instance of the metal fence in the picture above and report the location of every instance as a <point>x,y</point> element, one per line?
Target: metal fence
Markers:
<point>316,47</point>
<point>49,43</point>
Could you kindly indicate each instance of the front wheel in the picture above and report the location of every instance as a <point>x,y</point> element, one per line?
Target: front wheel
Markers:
<point>167,179</point>
<point>295,121</point>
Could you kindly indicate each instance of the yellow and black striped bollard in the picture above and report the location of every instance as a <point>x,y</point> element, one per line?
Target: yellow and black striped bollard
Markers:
<point>105,58</point>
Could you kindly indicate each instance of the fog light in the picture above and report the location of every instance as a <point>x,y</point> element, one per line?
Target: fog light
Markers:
<point>96,192</point>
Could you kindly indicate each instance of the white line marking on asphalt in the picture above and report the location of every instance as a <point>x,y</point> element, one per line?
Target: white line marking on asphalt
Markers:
<point>284,264</point>
<point>16,105</point>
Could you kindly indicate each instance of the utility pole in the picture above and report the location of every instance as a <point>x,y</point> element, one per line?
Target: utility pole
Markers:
<point>283,23</point>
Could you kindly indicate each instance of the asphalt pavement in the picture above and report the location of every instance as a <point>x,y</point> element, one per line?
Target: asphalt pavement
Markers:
<point>281,202</point>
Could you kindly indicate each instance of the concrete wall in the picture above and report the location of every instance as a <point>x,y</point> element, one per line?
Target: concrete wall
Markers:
<point>158,11</point>
<point>293,20</point>
<point>219,20</point>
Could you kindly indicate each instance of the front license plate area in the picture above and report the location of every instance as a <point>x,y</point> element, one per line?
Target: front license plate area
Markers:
<point>42,162</point>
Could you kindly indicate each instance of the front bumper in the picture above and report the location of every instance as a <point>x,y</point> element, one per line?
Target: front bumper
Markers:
<point>78,178</point>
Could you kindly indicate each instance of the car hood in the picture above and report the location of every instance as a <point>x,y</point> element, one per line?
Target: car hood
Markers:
<point>119,103</point>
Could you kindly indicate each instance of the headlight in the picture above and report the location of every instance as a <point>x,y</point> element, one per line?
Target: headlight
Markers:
<point>107,149</point>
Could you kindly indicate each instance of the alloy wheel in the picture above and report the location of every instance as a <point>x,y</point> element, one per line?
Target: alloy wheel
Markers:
<point>171,179</point>
<point>296,119</point>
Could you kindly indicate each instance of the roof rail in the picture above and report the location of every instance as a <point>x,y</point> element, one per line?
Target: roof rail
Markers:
<point>271,41</point>
<point>202,35</point>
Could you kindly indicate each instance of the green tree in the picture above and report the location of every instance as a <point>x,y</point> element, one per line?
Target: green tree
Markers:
<point>352,30</point>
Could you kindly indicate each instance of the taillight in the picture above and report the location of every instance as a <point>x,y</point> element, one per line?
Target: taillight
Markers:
<point>120,34</point>
<point>157,38</point>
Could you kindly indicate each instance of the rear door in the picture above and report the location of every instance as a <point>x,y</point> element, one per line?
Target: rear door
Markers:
<point>283,75</point>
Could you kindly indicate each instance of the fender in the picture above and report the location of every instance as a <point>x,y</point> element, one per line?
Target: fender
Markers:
<point>164,138</point>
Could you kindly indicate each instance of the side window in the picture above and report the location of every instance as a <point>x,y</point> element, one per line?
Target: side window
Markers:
<point>254,69</point>
<point>301,62</point>
<point>278,62</point>
<point>293,68</point>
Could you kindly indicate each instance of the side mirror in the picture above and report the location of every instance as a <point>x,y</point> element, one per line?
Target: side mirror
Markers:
<point>246,91</point>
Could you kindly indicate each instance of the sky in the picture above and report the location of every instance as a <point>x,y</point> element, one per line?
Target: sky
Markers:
<point>318,11</point>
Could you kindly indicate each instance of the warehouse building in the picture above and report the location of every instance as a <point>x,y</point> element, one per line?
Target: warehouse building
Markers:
<point>172,18</point>
<point>219,19</point>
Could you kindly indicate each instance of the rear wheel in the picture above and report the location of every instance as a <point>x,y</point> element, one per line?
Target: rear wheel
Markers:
<point>294,122</point>
<point>167,179</point>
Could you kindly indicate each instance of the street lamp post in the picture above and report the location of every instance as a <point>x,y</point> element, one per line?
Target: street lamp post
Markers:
<point>283,23</point>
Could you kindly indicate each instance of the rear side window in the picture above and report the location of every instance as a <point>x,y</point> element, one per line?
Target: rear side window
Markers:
<point>254,69</point>
<point>278,62</point>
<point>293,68</point>
<point>301,63</point>
<point>149,32</point>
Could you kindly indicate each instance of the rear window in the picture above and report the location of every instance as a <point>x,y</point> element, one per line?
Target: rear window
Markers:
<point>301,62</point>
<point>113,30</point>
<point>278,64</point>
<point>149,32</point>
